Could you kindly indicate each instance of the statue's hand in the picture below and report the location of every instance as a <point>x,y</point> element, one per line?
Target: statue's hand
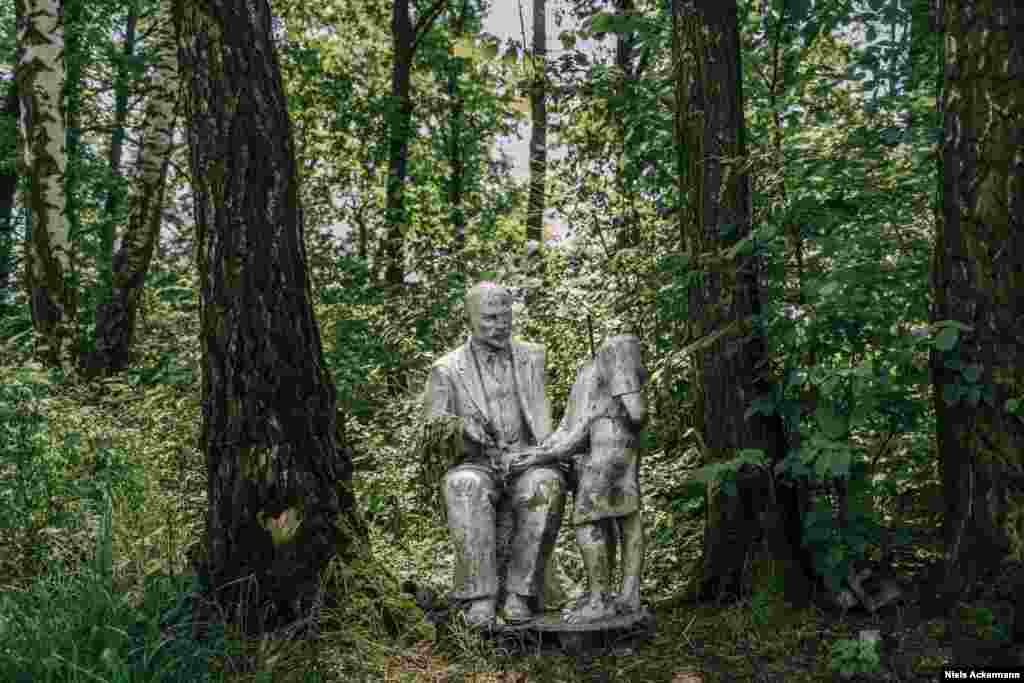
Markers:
<point>522,460</point>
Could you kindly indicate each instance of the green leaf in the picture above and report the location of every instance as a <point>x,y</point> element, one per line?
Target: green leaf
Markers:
<point>832,425</point>
<point>972,372</point>
<point>947,338</point>
<point>963,327</point>
<point>765,405</point>
<point>951,394</point>
<point>1012,405</point>
<point>973,395</point>
<point>601,23</point>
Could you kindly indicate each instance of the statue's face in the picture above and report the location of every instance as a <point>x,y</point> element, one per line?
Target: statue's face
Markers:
<point>491,319</point>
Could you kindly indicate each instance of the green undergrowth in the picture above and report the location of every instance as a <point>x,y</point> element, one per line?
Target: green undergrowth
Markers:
<point>103,495</point>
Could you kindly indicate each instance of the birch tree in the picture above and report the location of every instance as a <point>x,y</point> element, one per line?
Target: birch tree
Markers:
<point>115,316</point>
<point>42,160</point>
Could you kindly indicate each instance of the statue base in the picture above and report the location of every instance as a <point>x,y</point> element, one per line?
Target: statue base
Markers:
<point>621,633</point>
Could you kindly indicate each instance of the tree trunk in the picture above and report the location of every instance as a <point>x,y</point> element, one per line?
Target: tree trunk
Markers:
<point>456,154</point>
<point>278,494</point>
<point>625,51</point>
<point>42,160</point>
<point>74,59</point>
<point>977,280</point>
<point>539,127</point>
<point>729,365</point>
<point>405,36</point>
<point>115,316</point>
<point>8,187</point>
<point>399,131</point>
<point>116,190</point>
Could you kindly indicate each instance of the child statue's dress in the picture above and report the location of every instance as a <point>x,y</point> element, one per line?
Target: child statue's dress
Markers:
<point>608,485</point>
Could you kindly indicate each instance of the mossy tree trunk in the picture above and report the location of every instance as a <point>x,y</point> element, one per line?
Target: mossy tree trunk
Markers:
<point>115,316</point>
<point>278,495</point>
<point>977,282</point>
<point>42,160</point>
<point>724,302</point>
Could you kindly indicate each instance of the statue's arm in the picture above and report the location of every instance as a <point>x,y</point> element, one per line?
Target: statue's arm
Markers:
<point>439,401</point>
<point>636,408</point>
<point>568,440</point>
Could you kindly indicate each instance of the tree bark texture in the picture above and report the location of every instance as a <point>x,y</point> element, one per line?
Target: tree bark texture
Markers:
<point>399,131</point>
<point>456,145</point>
<point>115,316</point>
<point>42,159</point>
<point>278,495</point>
<point>977,281</point>
<point>625,51</point>
<point>74,60</point>
<point>729,364</point>
<point>8,187</point>
<point>539,126</point>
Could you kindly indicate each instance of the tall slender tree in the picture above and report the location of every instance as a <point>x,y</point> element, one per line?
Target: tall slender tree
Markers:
<point>8,188</point>
<point>538,125</point>
<point>456,155</point>
<point>42,159</point>
<point>725,301</point>
<point>406,37</point>
<point>122,83</point>
<point>277,494</point>
<point>977,278</point>
<point>115,315</point>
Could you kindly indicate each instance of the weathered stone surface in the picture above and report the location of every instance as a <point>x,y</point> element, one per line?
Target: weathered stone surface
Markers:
<point>620,633</point>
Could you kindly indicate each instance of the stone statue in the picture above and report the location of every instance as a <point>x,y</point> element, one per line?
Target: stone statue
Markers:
<point>496,387</point>
<point>599,435</point>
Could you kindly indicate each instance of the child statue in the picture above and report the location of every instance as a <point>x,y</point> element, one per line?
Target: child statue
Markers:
<point>599,436</point>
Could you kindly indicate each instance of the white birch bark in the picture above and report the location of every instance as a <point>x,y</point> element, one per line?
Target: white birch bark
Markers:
<point>42,159</point>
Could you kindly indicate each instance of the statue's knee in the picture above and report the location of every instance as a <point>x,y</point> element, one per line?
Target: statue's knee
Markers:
<point>542,483</point>
<point>466,484</point>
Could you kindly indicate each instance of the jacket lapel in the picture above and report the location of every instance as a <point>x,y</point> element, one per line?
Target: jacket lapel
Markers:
<point>466,371</point>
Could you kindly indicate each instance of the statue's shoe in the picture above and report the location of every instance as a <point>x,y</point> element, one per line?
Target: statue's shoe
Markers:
<point>480,613</point>
<point>516,609</point>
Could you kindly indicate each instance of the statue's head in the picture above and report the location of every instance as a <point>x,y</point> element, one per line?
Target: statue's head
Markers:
<point>489,306</point>
<point>620,359</point>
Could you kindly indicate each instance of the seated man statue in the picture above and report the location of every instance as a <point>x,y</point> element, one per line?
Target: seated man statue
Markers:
<point>496,387</point>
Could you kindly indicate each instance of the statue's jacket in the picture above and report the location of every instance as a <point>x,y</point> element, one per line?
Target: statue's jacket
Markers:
<point>454,388</point>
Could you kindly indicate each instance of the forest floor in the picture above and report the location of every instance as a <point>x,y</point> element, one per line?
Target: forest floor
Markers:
<point>759,638</point>
<point>748,641</point>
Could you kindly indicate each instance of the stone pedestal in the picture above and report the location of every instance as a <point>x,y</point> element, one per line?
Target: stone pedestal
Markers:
<point>621,633</point>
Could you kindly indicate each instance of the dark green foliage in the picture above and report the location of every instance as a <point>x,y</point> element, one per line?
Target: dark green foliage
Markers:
<point>45,483</point>
<point>79,625</point>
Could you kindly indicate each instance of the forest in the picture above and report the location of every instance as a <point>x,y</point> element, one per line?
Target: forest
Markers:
<point>236,236</point>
